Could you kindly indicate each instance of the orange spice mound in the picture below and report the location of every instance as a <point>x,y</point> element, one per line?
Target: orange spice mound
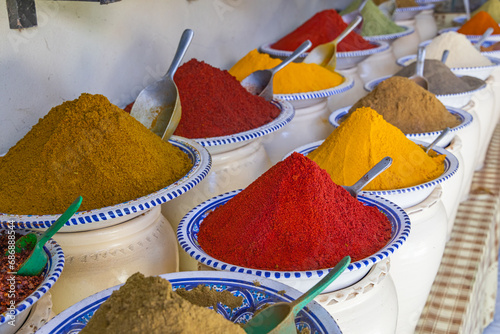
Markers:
<point>478,24</point>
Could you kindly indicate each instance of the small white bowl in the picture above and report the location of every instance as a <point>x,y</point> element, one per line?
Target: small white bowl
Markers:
<point>51,274</point>
<point>255,296</point>
<point>473,38</point>
<point>307,99</point>
<point>457,100</point>
<point>231,142</point>
<point>408,13</point>
<point>410,196</point>
<point>480,72</point>
<point>187,234</point>
<point>345,60</point>
<point>115,214</point>
<point>426,137</point>
<point>391,37</point>
<point>460,20</point>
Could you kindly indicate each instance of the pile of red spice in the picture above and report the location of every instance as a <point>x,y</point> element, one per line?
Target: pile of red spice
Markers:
<point>323,27</point>
<point>215,104</point>
<point>14,288</point>
<point>293,218</point>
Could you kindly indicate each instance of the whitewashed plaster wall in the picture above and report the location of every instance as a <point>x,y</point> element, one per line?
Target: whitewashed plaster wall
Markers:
<point>118,49</point>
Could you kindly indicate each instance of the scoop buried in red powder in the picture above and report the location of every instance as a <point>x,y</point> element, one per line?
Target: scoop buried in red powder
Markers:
<point>322,28</point>
<point>293,218</point>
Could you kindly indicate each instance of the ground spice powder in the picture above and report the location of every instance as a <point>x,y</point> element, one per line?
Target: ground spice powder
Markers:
<point>148,305</point>
<point>215,104</point>
<point>323,27</point>
<point>86,147</point>
<point>293,78</point>
<point>364,139</point>
<point>492,7</point>
<point>478,24</point>
<point>293,217</point>
<point>408,106</point>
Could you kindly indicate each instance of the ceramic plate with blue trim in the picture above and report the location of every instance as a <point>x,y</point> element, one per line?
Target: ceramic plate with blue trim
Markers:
<point>187,234</point>
<point>313,318</point>
<point>408,13</point>
<point>345,60</point>
<point>473,38</point>
<point>115,214</point>
<point>51,274</point>
<point>425,2</point>
<point>390,37</point>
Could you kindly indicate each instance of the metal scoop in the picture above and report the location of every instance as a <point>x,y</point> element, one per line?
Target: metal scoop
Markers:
<point>352,15</point>
<point>418,77</point>
<point>483,38</point>
<point>261,82</point>
<point>435,141</point>
<point>444,56</point>
<point>369,176</point>
<point>158,106</point>
<point>326,54</point>
<point>279,318</point>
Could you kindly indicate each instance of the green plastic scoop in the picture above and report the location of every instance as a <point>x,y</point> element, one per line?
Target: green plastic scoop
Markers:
<point>35,263</point>
<point>279,318</point>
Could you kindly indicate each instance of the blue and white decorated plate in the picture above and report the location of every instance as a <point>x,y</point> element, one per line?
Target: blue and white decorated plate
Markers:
<point>460,20</point>
<point>390,37</point>
<point>410,196</point>
<point>224,143</point>
<point>480,72</point>
<point>345,60</point>
<point>408,13</point>
<point>51,274</point>
<point>115,214</point>
<point>472,38</point>
<point>313,318</point>
<point>425,2</point>
<point>187,234</point>
<point>457,100</point>
<point>465,118</point>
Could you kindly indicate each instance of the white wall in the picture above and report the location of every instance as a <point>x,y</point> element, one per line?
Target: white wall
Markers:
<point>117,49</point>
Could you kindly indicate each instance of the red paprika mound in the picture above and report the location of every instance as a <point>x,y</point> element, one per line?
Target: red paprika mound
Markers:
<point>323,27</point>
<point>478,24</point>
<point>293,218</point>
<point>215,104</point>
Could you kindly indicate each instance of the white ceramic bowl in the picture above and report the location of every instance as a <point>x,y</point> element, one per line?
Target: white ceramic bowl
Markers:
<point>51,274</point>
<point>457,100</point>
<point>187,234</point>
<point>424,2</point>
<point>473,38</point>
<point>410,196</point>
<point>426,137</point>
<point>391,37</point>
<point>408,13</point>
<point>307,99</point>
<point>481,72</point>
<point>345,60</point>
<point>255,296</point>
<point>460,20</point>
<point>115,214</point>
<point>230,142</point>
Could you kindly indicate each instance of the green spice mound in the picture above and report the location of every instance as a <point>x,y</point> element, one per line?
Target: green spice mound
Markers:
<point>148,305</point>
<point>86,147</point>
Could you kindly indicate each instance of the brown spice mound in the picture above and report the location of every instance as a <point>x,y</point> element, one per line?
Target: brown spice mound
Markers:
<point>205,296</point>
<point>86,147</point>
<point>407,106</point>
<point>148,305</point>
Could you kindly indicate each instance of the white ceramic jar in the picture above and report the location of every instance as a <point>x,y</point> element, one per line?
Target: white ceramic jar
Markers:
<point>352,95</point>
<point>425,24</point>
<point>452,187</point>
<point>102,258</point>
<point>233,168</point>
<point>495,85</point>
<point>368,306</point>
<point>415,265</point>
<point>406,45</point>
<point>378,65</point>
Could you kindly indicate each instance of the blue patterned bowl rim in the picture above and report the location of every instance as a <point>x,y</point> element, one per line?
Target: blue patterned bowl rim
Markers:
<point>286,115</point>
<point>52,272</point>
<point>450,168</point>
<point>469,37</point>
<point>494,60</point>
<point>423,2</point>
<point>314,316</point>
<point>370,85</point>
<point>198,155</point>
<point>387,37</point>
<point>415,8</point>
<point>189,227</point>
<point>380,46</point>
<point>347,84</point>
